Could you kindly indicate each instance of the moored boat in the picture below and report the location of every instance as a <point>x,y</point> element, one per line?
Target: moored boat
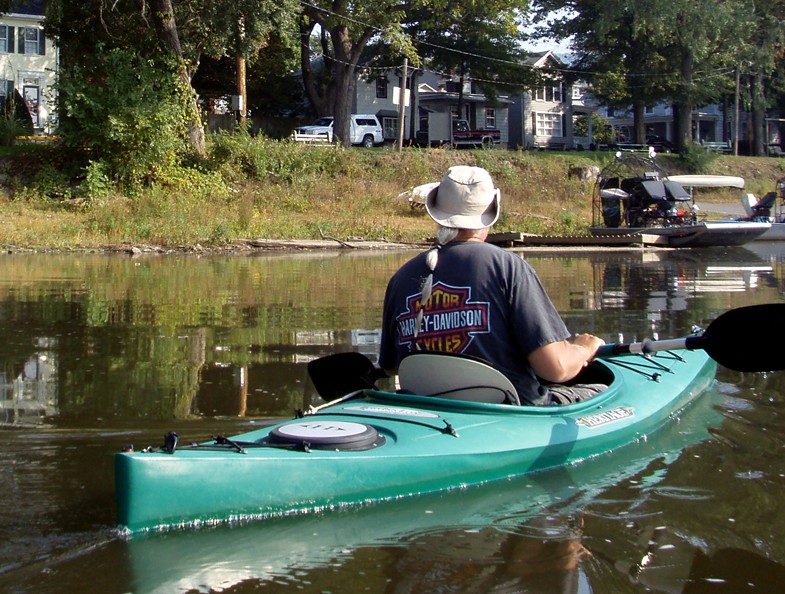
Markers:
<point>769,210</point>
<point>633,196</point>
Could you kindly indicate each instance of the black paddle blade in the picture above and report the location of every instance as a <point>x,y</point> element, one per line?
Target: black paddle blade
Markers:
<point>737,339</point>
<point>338,374</point>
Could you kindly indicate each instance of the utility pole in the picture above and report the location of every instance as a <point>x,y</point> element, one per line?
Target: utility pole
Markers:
<point>736,115</point>
<point>402,104</point>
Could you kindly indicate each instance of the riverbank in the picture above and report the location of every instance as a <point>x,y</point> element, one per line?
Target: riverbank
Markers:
<point>280,195</point>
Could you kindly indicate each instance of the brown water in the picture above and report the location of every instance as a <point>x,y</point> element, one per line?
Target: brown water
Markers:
<point>101,351</point>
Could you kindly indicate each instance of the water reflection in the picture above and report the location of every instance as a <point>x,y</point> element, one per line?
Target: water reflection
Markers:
<point>479,539</point>
<point>99,351</point>
<point>100,337</point>
<point>674,565</point>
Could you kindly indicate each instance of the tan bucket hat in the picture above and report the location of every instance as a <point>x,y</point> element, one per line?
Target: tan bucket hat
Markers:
<point>464,199</point>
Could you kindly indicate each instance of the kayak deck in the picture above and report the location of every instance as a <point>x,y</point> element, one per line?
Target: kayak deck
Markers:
<point>384,445</point>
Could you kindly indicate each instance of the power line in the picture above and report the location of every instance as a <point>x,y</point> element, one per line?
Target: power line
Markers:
<point>548,70</point>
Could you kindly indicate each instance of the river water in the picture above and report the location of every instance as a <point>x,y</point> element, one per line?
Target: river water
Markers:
<point>100,351</point>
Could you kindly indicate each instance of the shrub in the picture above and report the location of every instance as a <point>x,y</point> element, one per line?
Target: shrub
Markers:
<point>696,158</point>
<point>14,121</point>
<point>126,112</point>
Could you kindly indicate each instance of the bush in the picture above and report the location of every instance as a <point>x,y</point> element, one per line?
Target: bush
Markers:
<point>696,158</point>
<point>14,121</point>
<point>125,112</point>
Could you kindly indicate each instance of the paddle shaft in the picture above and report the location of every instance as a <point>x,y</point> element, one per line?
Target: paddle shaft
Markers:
<point>650,346</point>
<point>730,340</point>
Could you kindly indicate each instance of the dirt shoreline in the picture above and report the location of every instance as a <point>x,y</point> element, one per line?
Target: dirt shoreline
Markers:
<point>240,246</point>
<point>250,246</point>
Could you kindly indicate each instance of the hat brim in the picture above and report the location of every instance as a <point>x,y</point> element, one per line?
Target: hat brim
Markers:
<point>456,221</point>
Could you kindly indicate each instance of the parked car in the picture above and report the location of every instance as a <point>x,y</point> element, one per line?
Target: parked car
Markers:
<point>365,130</point>
<point>660,144</point>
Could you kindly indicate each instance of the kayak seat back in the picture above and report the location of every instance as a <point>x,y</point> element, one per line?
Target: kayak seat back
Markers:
<point>456,377</point>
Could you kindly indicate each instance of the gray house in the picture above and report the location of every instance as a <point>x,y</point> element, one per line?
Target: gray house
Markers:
<point>547,117</point>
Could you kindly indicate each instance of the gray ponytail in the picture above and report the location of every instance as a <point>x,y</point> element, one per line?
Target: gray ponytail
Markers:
<point>444,235</point>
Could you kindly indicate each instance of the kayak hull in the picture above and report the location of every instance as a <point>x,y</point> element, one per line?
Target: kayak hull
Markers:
<point>400,445</point>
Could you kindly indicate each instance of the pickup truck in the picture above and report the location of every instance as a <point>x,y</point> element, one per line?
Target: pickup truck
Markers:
<point>438,133</point>
<point>463,135</point>
<point>365,130</point>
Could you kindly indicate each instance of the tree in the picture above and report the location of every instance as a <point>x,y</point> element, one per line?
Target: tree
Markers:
<point>271,88</point>
<point>678,51</point>
<point>761,54</point>
<point>339,32</point>
<point>166,28</point>
<point>243,28</point>
<point>481,41</point>
<point>184,29</point>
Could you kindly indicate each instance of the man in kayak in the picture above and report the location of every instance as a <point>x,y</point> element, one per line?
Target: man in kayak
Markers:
<point>471,297</point>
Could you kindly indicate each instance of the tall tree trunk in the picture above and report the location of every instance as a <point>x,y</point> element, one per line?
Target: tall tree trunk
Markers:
<point>639,121</point>
<point>345,84</point>
<point>682,112</point>
<point>316,86</point>
<point>759,141</point>
<point>240,71</point>
<point>343,104</point>
<point>166,29</point>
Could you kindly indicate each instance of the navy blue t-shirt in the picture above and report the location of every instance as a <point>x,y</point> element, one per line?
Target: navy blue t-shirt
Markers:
<point>485,302</point>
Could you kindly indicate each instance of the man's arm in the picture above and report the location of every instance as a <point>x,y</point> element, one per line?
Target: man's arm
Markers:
<point>563,360</point>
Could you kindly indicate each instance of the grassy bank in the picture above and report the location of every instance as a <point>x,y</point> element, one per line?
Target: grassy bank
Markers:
<point>250,188</point>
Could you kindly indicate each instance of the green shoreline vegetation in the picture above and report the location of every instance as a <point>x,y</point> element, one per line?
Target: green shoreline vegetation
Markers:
<point>257,188</point>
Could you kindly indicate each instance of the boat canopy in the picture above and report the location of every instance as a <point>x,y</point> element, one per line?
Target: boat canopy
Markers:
<point>708,181</point>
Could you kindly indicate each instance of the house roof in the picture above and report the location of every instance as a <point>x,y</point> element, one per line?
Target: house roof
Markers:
<point>445,97</point>
<point>540,59</point>
<point>30,7</point>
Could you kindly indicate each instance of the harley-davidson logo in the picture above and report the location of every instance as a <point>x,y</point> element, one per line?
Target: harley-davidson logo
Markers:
<point>450,320</point>
<point>605,417</point>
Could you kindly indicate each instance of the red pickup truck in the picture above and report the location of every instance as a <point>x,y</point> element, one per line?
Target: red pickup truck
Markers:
<point>438,133</point>
<point>463,135</point>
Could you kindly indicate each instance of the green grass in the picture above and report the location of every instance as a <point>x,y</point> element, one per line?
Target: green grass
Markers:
<point>256,188</point>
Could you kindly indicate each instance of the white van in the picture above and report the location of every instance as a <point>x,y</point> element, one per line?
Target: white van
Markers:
<point>365,130</point>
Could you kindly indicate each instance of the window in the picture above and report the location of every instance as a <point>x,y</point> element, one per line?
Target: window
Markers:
<point>390,126</point>
<point>381,88</point>
<point>490,117</point>
<point>4,39</point>
<point>649,109</point>
<point>551,93</point>
<point>31,41</point>
<point>547,124</point>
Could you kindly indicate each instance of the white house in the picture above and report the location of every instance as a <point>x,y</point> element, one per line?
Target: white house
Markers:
<point>433,93</point>
<point>28,63</point>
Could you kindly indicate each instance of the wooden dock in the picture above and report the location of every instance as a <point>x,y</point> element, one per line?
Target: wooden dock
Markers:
<point>517,239</point>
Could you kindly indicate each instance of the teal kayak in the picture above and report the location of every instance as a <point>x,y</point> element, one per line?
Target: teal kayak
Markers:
<point>377,445</point>
<point>231,556</point>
